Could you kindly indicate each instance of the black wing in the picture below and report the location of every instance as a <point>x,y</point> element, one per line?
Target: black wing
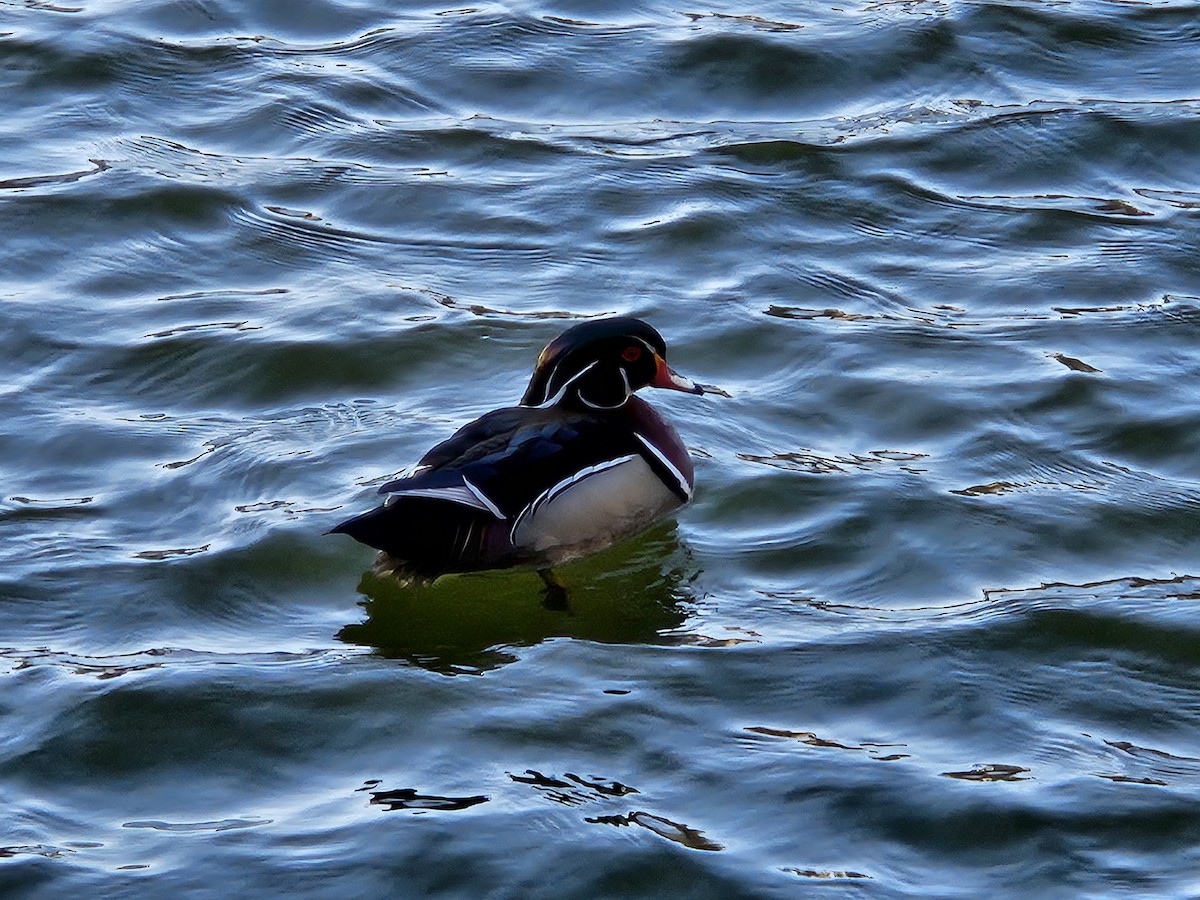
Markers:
<point>511,456</point>
<point>431,537</point>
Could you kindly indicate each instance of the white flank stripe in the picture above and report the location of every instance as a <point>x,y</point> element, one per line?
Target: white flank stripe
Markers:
<point>582,474</point>
<point>484,499</point>
<point>463,495</point>
<point>661,457</point>
<point>552,492</point>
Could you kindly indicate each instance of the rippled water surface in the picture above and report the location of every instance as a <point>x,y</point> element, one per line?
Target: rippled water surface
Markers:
<point>931,626</point>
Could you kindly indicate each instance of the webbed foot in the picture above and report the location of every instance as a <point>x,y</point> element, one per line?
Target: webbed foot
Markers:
<point>555,597</point>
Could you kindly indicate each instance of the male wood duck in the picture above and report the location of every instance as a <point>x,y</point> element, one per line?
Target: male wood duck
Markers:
<point>581,464</point>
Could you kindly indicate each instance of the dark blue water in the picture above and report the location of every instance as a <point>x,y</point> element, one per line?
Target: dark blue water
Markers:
<point>931,626</point>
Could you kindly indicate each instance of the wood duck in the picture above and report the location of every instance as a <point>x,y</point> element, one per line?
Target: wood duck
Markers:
<point>580,464</point>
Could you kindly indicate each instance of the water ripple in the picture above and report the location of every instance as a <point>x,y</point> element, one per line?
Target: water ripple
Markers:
<point>925,628</point>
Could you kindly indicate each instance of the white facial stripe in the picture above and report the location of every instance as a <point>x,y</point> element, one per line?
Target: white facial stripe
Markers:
<point>582,474</point>
<point>550,379</point>
<point>620,403</point>
<point>644,343</point>
<point>661,457</point>
<point>563,390</point>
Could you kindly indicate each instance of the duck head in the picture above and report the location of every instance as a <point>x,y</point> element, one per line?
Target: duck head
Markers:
<point>601,363</point>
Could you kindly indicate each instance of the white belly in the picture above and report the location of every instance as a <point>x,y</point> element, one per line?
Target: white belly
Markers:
<point>592,511</point>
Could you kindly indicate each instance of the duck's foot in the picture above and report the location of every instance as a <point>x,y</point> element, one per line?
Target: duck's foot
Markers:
<point>556,597</point>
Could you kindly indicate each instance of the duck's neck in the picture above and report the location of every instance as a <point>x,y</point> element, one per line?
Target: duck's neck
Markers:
<point>592,389</point>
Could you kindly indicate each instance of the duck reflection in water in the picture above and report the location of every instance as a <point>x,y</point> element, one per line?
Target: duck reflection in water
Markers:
<point>634,593</point>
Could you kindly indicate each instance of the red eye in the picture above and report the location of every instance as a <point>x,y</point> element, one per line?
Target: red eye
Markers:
<point>632,354</point>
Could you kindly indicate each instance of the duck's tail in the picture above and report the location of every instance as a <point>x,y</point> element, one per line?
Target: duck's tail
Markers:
<point>430,536</point>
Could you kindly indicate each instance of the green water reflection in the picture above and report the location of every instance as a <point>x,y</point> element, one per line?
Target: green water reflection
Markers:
<point>635,593</point>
